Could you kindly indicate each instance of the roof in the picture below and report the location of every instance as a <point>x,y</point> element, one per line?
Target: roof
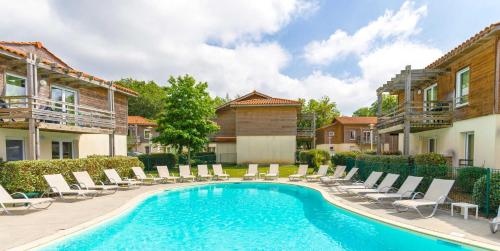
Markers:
<point>465,45</point>
<point>139,120</point>
<point>356,120</point>
<point>221,139</point>
<point>12,47</point>
<point>256,98</point>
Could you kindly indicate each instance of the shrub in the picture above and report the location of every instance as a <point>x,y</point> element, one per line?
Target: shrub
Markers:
<point>158,159</point>
<point>340,158</point>
<point>397,164</point>
<point>467,177</point>
<point>27,175</point>
<point>433,159</point>
<point>314,158</point>
<point>429,172</point>
<point>479,192</point>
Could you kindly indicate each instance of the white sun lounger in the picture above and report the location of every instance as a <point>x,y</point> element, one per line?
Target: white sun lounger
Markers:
<point>405,191</point>
<point>339,171</point>
<point>219,173</point>
<point>6,200</point>
<point>301,173</point>
<point>323,169</point>
<point>115,178</point>
<point>495,223</point>
<point>59,186</point>
<point>273,172</point>
<point>165,174</point>
<point>252,172</point>
<point>203,173</point>
<point>383,187</point>
<point>346,179</point>
<point>185,173</point>
<point>140,175</point>
<point>86,182</point>
<point>436,194</point>
<point>369,182</point>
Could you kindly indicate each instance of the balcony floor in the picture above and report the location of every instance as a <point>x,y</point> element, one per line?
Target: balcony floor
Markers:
<point>55,127</point>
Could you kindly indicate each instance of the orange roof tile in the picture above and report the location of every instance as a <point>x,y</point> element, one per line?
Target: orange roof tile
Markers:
<point>138,120</point>
<point>267,101</point>
<point>356,120</point>
<point>469,42</point>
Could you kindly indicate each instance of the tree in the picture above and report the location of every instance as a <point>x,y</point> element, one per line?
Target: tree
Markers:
<point>150,101</point>
<point>186,117</point>
<point>324,109</point>
<point>218,101</point>
<point>363,112</point>
<point>389,103</point>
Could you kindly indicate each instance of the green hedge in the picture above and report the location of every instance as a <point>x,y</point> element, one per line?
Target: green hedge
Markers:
<point>341,158</point>
<point>150,161</point>
<point>314,158</point>
<point>27,175</point>
<point>467,177</point>
<point>479,192</point>
<point>433,159</point>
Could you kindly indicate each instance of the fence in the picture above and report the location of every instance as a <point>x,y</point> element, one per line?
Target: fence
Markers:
<point>476,185</point>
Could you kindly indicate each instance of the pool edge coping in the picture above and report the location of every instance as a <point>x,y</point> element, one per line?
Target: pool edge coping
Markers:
<point>132,203</point>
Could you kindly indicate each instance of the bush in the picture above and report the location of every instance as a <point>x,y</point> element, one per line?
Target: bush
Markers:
<point>467,177</point>
<point>340,158</point>
<point>433,159</point>
<point>27,175</point>
<point>397,164</point>
<point>150,161</point>
<point>479,192</point>
<point>314,158</point>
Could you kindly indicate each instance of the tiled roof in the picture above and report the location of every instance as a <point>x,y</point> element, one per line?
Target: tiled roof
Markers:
<point>138,120</point>
<point>465,45</point>
<point>37,45</point>
<point>268,101</point>
<point>4,47</point>
<point>356,120</point>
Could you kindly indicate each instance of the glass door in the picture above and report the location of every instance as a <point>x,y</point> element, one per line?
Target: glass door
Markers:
<point>65,101</point>
<point>430,96</point>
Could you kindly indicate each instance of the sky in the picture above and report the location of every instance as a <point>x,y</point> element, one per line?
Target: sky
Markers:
<point>293,49</point>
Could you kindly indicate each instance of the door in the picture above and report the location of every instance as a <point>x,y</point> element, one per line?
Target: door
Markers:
<point>430,96</point>
<point>65,102</point>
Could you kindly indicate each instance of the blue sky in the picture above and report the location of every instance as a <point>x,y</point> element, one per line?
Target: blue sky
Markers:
<point>286,48</point>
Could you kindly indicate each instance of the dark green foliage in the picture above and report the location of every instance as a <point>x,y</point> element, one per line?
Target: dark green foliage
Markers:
<point>324,108</point>
<point>158,159</point>
<point>467,177</point>
<point>479,192</point>
<point>340,158</point>
<point>27,175</point>
<point>150,101</point>
<point>429,159</point>
<point>314,158</point>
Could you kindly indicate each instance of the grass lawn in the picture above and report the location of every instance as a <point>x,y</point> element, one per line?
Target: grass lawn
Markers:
<point>237,171</point>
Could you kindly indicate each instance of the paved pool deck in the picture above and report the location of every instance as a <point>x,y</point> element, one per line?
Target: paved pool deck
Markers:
<point>28,229</point>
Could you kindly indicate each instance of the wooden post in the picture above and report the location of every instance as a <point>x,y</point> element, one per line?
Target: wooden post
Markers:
<point>379,114</point>
<point>111,107</point>
<point>406,141</point>
<point>32,86</point>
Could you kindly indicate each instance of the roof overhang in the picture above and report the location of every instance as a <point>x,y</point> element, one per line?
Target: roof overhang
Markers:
<point>417,76</point>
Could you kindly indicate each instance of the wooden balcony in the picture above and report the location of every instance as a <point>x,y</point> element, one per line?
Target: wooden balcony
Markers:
<point>133,140</point>
<point>53,115</point>
<point>422,116</point>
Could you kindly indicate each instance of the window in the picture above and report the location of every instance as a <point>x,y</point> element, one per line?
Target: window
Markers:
<point>147,133</point>
<point>147,149</point>
<point>15,86</point>
<point>469,146</point>
<point>62,150</point>
<point>331,134</point>
<point>431,145</point>
<point>367,136</point>
<point>14,149</point>
<point>430,95</point>
<point>462,87</point>
<point>66,99</point>
<point>352,135</point>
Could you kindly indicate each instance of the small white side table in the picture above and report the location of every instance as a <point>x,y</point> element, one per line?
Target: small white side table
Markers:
<point>465,208</point>
<point>262,175</point>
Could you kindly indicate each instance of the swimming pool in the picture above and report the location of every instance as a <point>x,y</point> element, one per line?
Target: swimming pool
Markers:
<point>245,216</point>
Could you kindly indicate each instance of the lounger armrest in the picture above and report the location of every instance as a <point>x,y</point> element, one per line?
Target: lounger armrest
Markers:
<point>76,186</point>
<point>406,192</point>
<point>390,190</point>
<point>417,193</point>
<point>83,186</point>
<point>55,190</point>
<point>22,194</point>
<point>102,183</point>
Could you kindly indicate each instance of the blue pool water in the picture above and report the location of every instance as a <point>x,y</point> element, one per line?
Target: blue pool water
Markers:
<point>246,216</point>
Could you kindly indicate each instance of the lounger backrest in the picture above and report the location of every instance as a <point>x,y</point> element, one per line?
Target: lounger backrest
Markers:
<point>351,173</point>
<point>410,185</point>
<point>339,170</point>
<point>274,169</point>
<point>112,175</point>
<point>388,181</point>
<point>4,195</point>
<point>439,190</point>
<point>302,170</point>
<point>203,170</point>
<point>184,170</point>
<point>57,181</point>
<point>372,179</point>
<point>163,171</point>
<point>323,169</point>
<point>84,178</point>
<point>139,172</point>
<point>253,169</point>
<point>217,169</point>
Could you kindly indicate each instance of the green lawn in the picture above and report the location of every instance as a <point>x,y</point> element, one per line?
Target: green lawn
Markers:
<point>236,171</point>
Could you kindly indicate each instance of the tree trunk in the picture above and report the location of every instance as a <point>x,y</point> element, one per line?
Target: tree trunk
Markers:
<point>189,155</point>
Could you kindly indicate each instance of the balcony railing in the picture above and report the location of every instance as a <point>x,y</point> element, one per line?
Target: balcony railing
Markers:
<point>305,133</point>
<point>422,116</point>
<point>20,108</point>
<point>133,140</point>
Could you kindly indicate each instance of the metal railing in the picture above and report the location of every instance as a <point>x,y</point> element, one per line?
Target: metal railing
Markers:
<point>421,114</point>
<point>18,108</point>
